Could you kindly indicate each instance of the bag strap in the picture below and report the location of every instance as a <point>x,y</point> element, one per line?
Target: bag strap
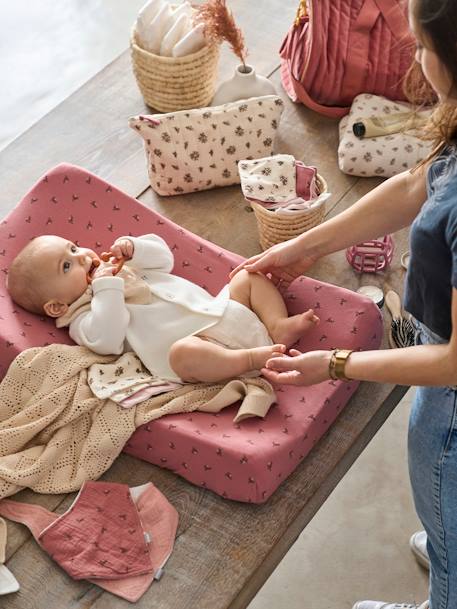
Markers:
<point>395,17</point>
<point>356,60</point>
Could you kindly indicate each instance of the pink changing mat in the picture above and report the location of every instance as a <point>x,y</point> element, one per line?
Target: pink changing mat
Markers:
<point>247,461</point>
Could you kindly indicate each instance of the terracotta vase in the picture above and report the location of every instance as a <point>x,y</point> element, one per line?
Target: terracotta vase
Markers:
<point>243,84</point>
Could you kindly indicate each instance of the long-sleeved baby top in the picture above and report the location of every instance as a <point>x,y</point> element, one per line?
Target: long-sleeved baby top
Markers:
<point>178,308</point>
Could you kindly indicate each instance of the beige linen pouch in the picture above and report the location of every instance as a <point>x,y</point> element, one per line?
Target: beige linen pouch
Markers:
<point>198,149</point>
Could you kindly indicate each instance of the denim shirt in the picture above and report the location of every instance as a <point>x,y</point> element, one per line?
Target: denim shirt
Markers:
<point>432,271</point>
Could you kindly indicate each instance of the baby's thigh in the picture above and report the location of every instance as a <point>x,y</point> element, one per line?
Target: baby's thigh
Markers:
<point>240,288</point>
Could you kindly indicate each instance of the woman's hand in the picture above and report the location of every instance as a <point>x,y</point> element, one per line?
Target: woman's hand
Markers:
<point>298,368</point>
<point>284,261</point>
<point>122,248</point>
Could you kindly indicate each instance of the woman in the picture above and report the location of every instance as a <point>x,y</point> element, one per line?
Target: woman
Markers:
<point>427,198</point>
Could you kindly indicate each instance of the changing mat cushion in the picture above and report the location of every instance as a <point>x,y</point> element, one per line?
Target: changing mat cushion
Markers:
<point>245,461</point>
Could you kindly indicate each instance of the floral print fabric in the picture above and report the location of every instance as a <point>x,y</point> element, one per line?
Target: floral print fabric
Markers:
<point>272,179</point>
<point>383,156</point>
<point>192,150</point>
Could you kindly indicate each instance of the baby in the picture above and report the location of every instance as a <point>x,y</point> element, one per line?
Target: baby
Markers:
<point>178,330</point>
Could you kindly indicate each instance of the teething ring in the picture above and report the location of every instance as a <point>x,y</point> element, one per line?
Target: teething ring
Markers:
<point>106,256</point>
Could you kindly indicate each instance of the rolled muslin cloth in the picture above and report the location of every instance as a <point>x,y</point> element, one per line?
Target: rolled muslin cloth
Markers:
<point>192,42</point>
<point>157,29</point>
<point>149,12</point>
<point>160,26</point>
<point>177,31</point>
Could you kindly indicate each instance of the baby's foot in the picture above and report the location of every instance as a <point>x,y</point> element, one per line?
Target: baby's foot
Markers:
<point>258,356</point>
<point>290,329</point>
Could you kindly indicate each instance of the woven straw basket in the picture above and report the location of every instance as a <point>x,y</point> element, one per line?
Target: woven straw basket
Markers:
<point>274,228</point>
<point>175,83</point>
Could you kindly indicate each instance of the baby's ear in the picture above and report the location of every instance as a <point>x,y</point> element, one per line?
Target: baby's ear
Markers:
<point>54,308</point>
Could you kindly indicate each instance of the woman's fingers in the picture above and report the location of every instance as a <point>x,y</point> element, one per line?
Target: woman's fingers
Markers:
<point>243,264</point>
<point>295,352</point>
<point>281,362</point>
<point>285,378</point>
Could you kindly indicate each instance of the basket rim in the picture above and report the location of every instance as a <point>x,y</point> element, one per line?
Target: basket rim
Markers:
<point>170,60</point>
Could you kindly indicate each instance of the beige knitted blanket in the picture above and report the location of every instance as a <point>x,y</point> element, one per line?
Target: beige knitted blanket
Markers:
<point>55,434</point>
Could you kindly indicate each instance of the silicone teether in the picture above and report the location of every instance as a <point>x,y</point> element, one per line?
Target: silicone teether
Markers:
<point>106,256</point>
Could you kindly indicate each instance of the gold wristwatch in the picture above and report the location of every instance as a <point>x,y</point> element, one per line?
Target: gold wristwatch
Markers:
<point>337,364</point>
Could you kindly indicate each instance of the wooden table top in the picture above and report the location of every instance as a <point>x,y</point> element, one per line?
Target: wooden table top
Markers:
<point>224,550</point>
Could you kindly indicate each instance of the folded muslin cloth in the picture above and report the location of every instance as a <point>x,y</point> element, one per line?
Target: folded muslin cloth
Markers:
<point>126,381</point>
<point>168,31</point>
<point>271,179</point>
<point>280,184</point>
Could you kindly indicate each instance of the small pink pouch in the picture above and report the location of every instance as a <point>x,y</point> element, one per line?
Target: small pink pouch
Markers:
<point>306,185</point>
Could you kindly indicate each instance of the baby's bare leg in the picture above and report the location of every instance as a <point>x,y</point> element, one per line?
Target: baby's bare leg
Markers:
<point>197,360</point>
<point>261,295</point>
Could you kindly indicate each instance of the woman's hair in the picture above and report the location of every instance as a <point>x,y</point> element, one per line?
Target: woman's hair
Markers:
<point>436,22</point>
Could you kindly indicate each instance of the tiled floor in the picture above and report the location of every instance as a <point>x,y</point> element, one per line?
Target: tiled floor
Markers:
<point>357,545</point>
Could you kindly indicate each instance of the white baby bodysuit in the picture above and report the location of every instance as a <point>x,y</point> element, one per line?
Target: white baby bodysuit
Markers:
<point>178,309</point>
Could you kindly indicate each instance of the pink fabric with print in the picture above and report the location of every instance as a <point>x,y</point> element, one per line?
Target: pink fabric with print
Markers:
<point>306,186</point>
<point>102,536</point>
<point>244,461</point>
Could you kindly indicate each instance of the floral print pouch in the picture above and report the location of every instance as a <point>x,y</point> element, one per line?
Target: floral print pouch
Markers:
<point>198,149</point>
<point>383,156</point>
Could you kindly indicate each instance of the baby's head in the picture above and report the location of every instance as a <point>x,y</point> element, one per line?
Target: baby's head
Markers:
<point>49,274</point>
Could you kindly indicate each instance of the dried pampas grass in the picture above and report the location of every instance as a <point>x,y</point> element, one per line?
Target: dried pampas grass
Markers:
<point>220,26</point>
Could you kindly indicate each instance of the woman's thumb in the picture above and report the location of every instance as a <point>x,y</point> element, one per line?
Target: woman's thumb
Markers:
<point>295,352</point>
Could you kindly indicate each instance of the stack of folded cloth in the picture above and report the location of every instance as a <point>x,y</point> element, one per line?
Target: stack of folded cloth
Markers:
<point>167,30</point>
<point>282,184</point>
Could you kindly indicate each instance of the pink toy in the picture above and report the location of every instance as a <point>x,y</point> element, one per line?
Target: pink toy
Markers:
<point>371,256</point>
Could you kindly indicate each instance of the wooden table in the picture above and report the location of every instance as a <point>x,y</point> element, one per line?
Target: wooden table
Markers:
<point>224,550</point>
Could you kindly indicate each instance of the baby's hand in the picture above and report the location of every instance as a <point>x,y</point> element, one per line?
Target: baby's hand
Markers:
<point>122,248</point>
<point>106,269</point>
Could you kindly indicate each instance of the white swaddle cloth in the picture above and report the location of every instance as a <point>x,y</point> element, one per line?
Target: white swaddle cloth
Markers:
<point>167,30</point>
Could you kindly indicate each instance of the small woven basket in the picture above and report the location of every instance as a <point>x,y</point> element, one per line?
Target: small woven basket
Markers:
<point>175,83</point>
<point>274,228</point>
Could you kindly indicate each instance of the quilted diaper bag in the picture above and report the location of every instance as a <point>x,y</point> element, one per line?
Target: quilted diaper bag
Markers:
<point>337,49</point>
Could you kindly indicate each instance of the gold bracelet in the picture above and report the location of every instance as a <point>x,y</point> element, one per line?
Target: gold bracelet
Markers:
<point>337,364</point>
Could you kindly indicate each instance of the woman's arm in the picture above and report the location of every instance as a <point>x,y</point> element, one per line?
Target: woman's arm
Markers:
<point>391,206</point>
<point>434,365</point>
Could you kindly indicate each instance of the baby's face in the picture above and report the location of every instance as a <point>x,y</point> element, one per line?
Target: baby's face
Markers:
<point>64,267</point>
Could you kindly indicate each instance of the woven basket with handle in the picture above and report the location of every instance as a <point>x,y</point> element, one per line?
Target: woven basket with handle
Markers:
<point>175,83</point>
<point>274,228</point>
